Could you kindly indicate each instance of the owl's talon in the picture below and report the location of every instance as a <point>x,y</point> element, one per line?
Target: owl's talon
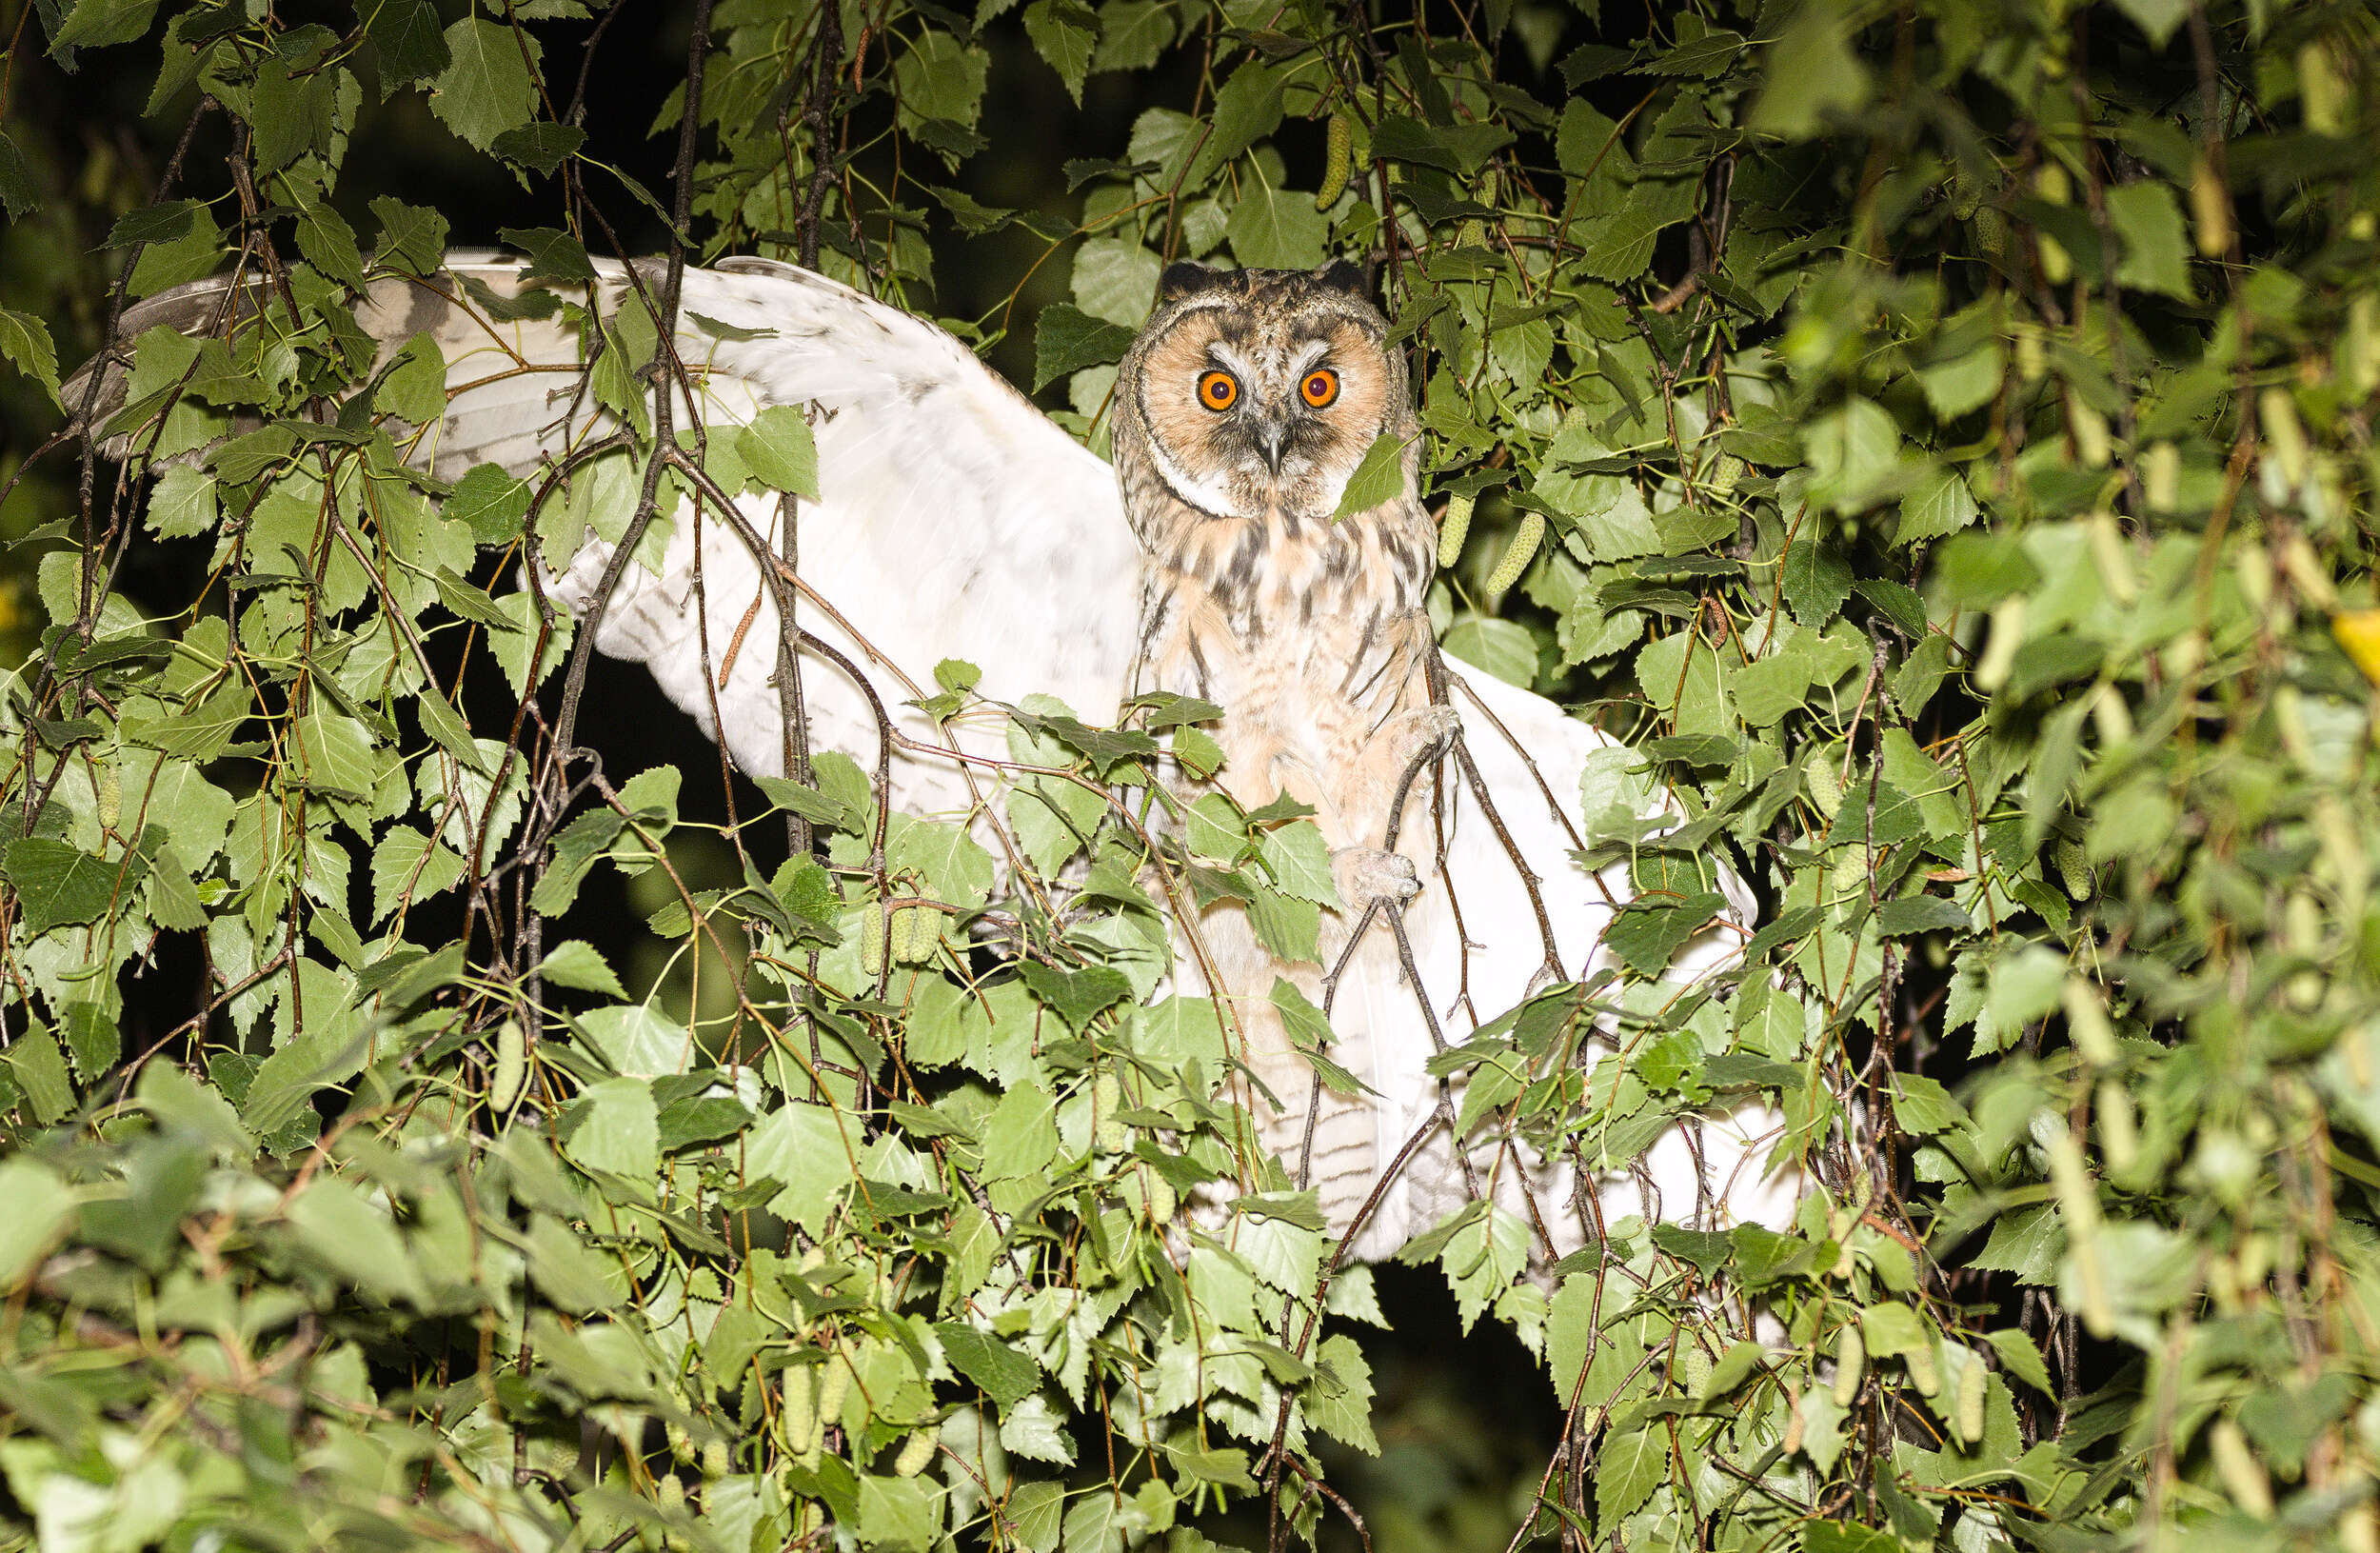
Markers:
<point>1425,733</point>
<point>1365,875</point>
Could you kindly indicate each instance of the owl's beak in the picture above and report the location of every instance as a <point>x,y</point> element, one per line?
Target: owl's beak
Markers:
<point>1271,437</point>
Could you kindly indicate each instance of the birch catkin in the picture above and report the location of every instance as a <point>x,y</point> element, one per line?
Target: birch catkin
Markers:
<point>1453,530</point>
<point>511,1066</point>
<point>1851,1364</point>
<point>1337,157</point>
<point>1517,554</point>
<point>914,1455</point>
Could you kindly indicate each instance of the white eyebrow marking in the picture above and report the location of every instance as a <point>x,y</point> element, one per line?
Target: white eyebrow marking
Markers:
<point>1217,351</point>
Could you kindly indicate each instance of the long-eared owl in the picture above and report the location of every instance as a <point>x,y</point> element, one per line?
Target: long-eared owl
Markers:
<point>1243,407</point>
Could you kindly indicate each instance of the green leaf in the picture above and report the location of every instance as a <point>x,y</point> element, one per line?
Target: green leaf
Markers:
<point>619,1128</point>
<point>291,114</point>
<point>40,1207</point>
<point>1627,1469</point>
<point>1247,109</point>
<point>780,451</point>
<point>17,194</point>
<point>1378,477</point>
<point>491,503</point>
<point>1459,148</point>
<point>1077,996</point>
<point>2156,249</point>
<point>1976,571</point>
<point>974,217</point>
<point>182,1102</point>
<point>1854,453</point>
<point>1938,504</point>
<point>1923,1106</point>
<point>541,147</point>
<point>160,223</point>
<point>1300,863</point>
<point>1619,243</point>
<point>1922,914</point>
<point>1817,581</point>
<point>1894,1330</point>
<point>408,865</point>
<point>1036,1512</point>
<point>576,963</point>
<point>466,602</point>
<point>1767,689</point>
<point>91,1039</point>
<point>39,1067</point>
<point>58,884</point>
<point>2025,1244</point>
<point>1706,56</point>
<point>24,340</point>
<point>1340,1404</point>
<point>1063,35</point>
<point>354,1238</point>
<point>1021,1136</point>
<point>938,77</point>
<point>2023,987</point>
<point>1504,649</point>
<point>2021,1358</point>
<point>486,88</point>
<point>325,238</point>
<point>413,238</point>
<point>1310,1035</point>
<point>2157,18</point>
<point>1897,601</point>
<point>94,23</point>
<point>244,459</point>
<point>1067,339</point>
<point>1587,142</point>
<point>1847,1537</point>
<point>1964,383</point>
<point>414,386</point>
<point>1003,1374</point>
<point>1274,228</point>
<point>200,732</point>
<point>1650,931</point>
<point>412,48</point>
<point>1810,75</point>
<point>442,723</point>
<point>1133,35</point>
<point>552,254</point>
<point>570,1273</point>
<point>639,1041</point>
<point>801,1148</point>
<point>1893,818</point>
<point>898,1513</point>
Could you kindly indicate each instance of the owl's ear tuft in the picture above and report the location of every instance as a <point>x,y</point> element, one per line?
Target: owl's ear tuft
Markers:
<point>1185,279</point>
<point>1344,275</point>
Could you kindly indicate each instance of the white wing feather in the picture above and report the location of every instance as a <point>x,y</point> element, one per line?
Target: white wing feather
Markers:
<point>952,516</point>
<point>957,521</point>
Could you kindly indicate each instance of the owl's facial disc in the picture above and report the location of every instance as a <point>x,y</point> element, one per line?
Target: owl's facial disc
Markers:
<point>1265,416</point>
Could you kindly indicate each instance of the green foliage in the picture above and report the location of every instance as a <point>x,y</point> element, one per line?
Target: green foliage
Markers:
<point>1938,439</point>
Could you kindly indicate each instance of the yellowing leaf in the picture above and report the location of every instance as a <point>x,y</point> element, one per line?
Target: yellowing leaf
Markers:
<point>2358,631</point>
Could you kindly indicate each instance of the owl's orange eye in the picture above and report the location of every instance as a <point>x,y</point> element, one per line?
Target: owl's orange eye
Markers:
<point>1320,387</point>
<point>1218,390</point>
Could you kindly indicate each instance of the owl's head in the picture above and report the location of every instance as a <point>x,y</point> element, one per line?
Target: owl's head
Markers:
<point>1256,389</point>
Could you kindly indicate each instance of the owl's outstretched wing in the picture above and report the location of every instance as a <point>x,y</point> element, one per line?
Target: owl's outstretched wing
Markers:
<point>953,520</point>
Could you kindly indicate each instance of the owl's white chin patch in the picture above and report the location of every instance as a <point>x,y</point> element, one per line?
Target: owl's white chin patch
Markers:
<point>1210,493</point>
